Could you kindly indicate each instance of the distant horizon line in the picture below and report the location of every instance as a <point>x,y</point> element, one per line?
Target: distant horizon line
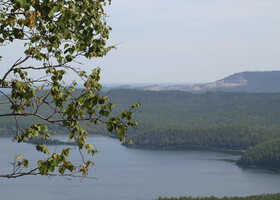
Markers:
<point>154,83</point>
<point>185,83</point>
<point>143,84</point>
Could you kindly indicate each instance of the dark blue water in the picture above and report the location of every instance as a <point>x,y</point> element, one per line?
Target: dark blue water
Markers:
<point>127,174</point>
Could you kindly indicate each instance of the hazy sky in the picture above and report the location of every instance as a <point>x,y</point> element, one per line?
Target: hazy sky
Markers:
<point>183,41</point>
<point>191,40</point>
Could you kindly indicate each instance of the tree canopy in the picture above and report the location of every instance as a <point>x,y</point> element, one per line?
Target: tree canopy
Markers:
<point>56,33</point>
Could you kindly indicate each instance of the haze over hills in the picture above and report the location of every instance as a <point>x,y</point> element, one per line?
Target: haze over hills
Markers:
<point>266,81</point>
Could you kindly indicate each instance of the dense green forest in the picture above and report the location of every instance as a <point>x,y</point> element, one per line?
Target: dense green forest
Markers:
<point>236,137</point>
<point>181,110</point>
<point>175,119</point>
<point>184,111</point>
<point>255,197</point>
<point>266,154</point>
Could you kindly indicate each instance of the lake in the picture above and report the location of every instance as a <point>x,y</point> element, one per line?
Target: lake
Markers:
<point>131,174</point>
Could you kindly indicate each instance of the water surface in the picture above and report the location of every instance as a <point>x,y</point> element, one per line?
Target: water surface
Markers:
<point>127,174</point>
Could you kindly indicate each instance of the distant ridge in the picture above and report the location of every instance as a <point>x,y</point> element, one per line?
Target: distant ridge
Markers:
<point>266,81</point>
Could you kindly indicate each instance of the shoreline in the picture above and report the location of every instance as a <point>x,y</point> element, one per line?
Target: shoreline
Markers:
<point>240,151</point>
<point>259,167</point>
<point>154,148</point>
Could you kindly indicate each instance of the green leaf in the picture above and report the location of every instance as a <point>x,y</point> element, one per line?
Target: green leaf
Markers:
<point>25,163</point>
<point>51,168</point>
<point>70,167</point>
<point>65,152</point>
<point>61,170</point>
<point>43,170</point>
<point>43,148</point>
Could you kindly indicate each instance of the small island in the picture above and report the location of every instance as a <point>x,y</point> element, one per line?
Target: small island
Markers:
<point>50,142</point>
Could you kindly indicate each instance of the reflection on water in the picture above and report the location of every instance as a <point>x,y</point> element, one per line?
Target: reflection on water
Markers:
<point>126,173</point>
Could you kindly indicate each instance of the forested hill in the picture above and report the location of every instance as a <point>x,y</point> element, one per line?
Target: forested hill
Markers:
<point>253,82</point>
<point>205,110</point>
<point>179,112</point>
<point>268,81</point>
<point>174,119</point>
